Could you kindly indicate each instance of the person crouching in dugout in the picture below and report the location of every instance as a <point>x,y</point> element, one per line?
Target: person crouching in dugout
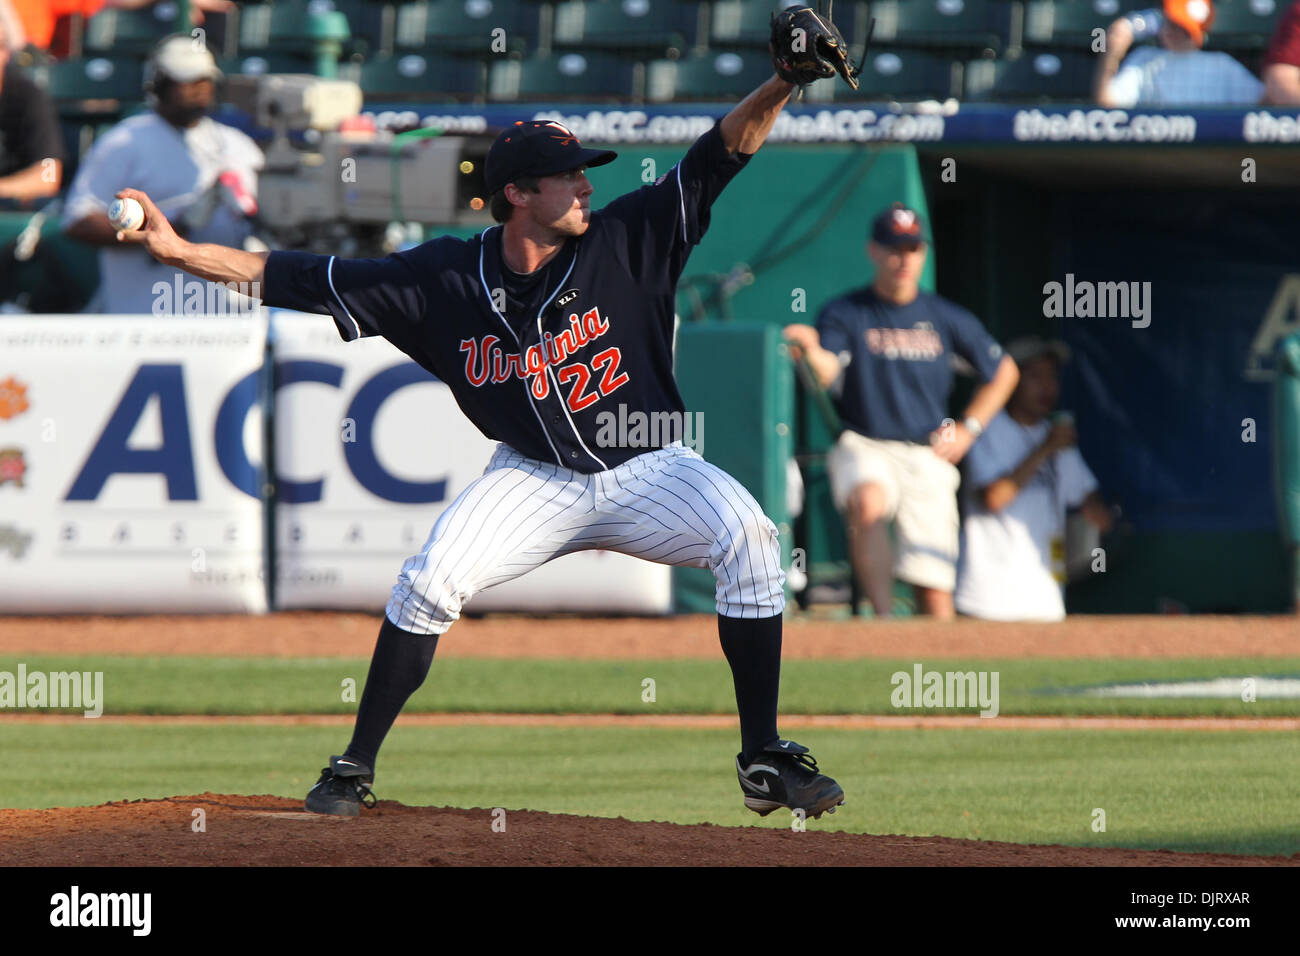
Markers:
<point>1021,477</point>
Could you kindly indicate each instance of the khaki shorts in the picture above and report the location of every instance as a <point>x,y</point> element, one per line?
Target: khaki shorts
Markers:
<point>920,498</point>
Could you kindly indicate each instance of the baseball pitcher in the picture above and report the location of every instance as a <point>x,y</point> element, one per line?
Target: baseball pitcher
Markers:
<point>537,324</point>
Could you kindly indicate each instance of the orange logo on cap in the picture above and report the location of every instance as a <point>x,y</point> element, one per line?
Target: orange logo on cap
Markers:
<point>13,398</point>
<point>568,136</point>
<point>904,221</point>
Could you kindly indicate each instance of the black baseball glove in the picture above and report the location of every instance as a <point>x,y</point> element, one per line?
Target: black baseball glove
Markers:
<point>807,46</point>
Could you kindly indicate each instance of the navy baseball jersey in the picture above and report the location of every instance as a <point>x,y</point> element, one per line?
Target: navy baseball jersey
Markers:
<point>533,360</point>
<point>899,375</point>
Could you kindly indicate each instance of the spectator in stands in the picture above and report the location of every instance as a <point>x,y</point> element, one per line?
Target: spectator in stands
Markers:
<point>1177,72</point>
<point>1021,476</point>
<point>886,351</point>
<point>32,22</point>
<point>31,148</point>
<point>201,173</point>
<point>1282,61</point>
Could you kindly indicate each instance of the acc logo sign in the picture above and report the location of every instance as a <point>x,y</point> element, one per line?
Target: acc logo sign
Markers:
<point>14,540</point>
<point>174,458</point>
<point>12,466</point>
<point>13,398</point>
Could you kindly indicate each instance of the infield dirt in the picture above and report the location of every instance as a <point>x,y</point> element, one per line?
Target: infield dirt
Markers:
<point>310,634</point>
<point>264,830</point>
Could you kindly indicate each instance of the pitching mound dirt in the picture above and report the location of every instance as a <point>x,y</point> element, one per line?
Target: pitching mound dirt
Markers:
<point>264,830</point>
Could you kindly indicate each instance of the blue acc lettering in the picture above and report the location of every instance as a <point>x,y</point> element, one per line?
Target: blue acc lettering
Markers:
<point>173,457</point>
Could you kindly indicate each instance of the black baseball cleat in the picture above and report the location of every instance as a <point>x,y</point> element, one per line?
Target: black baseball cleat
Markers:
<point>343,789</point>
<point>785,775</point>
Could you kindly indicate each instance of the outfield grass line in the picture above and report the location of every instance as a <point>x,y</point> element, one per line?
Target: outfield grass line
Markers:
<point>692,721</point>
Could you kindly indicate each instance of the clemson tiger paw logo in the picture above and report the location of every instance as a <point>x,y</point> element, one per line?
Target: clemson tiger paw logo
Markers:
<point>13,398</point>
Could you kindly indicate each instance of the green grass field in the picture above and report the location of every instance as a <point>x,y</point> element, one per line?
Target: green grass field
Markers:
<point>194,685</point>
<point>1223,791</point>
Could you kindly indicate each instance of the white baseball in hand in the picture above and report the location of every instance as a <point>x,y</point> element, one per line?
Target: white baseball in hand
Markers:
<point>126,215</point>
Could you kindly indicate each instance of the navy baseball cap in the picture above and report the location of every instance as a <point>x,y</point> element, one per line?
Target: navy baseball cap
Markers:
<point>537,148</point>
<point>898,226</point>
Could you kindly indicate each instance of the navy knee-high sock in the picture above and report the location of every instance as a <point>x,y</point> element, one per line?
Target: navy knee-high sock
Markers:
<point>753,649</point>
<point>397,669</point>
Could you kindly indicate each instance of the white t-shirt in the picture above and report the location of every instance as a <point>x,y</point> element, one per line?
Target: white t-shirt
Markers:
<point>1154,76</point>
<point>1012,563</point>
<point>178,169</point>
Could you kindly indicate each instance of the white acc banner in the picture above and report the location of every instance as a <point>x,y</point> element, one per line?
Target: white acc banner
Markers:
<point>369,450</point>
<point>130,455</point>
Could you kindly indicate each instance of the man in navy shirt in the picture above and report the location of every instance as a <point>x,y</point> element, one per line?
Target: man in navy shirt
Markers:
<point>537,326</point>
<point>886,351</point>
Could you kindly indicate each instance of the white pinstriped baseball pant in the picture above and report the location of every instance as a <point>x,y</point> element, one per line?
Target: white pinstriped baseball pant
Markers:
<point>668,505</point>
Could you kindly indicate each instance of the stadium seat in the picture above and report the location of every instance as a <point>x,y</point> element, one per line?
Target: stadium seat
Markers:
<point>900,74</point>
<point>586,76</point>
<point>736,24</point>
<point>1063,75</point>
<point>419,76</point>
<point>259,62</point>
<point>466,26</point>
<point>1069,23</point>
<point>371,22</point>
<point>279,27</point>
<point>644,26</point>
<point>1244,24</point>
<point>94,78</point>
<point>714,75</point>
<point>943,24</point>
<point>130,31</point>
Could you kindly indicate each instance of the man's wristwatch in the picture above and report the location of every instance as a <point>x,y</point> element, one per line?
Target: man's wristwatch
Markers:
<point>973,425</point>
